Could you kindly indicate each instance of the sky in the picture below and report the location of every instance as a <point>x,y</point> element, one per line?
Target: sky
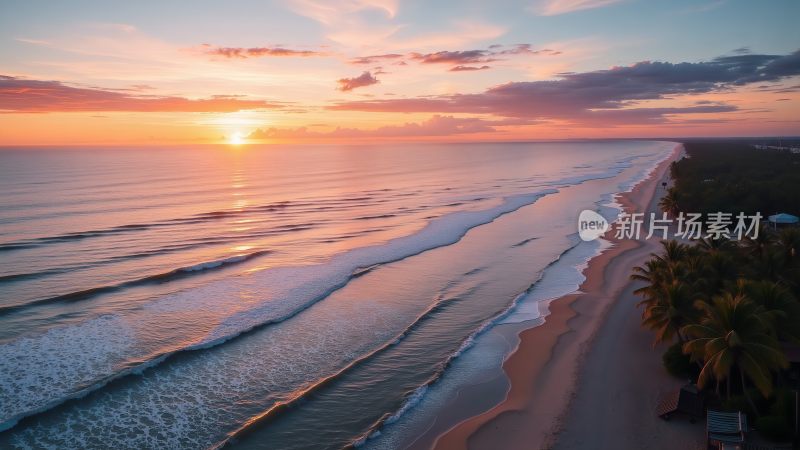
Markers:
<point>178,72</point>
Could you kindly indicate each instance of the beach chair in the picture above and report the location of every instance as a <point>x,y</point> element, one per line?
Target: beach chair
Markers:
<point>688,400</point>
<point>725,429</point>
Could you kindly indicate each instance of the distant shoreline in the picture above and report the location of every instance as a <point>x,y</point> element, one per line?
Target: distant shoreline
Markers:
<point>146,145</point>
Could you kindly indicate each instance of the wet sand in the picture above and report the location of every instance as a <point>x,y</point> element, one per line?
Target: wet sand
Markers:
<point>589,370</point>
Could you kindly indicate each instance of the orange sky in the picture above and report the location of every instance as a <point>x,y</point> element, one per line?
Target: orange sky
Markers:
<point>373,70</point>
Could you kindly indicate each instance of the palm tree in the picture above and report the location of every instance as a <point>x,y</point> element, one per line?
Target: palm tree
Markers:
<point>770,266</point>
<point>757,247</point>
<point>668,310</point>
<point>780,307</point>
<point>667,265</point>
<point>733,334</point>
<point>713,246</point>
<point>674,252</point>
<point>669,202</point>
<point>718,269</point>
<point>653,273</point>
<point>691,270</point>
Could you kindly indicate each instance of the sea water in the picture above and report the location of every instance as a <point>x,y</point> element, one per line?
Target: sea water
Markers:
<point>277,296</point>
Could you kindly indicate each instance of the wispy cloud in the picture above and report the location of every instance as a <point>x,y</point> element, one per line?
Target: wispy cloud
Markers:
<point>557,7</point>
<point>454,57</point>
<point>480,56</point>
<point>523,49</point>
<point>457,58</point>
<point>41,42</point>
<point>453,34</point>
<point>256,52</point>
<point>468,68</point>
<point>437,125</point>
<point>351,22</point>
<point>365,79</point>
<point>20,95</point>
<point>374,59</point>
<point>328,13</point>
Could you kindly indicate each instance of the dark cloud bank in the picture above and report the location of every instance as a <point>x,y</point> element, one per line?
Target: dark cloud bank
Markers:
<point>604,94</point>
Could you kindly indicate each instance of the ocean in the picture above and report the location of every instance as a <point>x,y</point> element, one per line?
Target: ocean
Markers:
<point>288,297</point>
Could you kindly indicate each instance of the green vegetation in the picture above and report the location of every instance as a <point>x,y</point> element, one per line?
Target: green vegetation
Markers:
<point>728,308</point>
<point>734,177</point>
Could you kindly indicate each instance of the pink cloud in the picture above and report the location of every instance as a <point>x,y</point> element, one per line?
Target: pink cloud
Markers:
<point>557,7</point>
<point>468,68</point>
<point>36,96</point>
<point>256,52</point>
<point>454,57</point>
<point>524,49</point>
<point>457,58</point>
<point>437,125</point>
<point>372,59</point>
<point>365,79</point>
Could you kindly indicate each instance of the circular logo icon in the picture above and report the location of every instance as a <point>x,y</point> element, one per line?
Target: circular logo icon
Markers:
<point>591,225</point>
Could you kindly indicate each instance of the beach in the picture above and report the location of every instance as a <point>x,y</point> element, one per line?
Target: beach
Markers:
<point>589,373</point>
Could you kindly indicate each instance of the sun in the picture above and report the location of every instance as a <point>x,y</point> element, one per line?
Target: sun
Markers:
<point>236,139</point>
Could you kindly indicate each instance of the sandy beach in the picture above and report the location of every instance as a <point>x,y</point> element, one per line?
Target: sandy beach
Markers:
<point>589,374</point>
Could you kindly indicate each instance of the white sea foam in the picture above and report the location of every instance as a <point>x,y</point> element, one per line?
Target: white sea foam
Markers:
<point>307,284</point>
<point>562,277</point>
<point>36,372</point>
<point>412,401</point>
<point>99,347</point>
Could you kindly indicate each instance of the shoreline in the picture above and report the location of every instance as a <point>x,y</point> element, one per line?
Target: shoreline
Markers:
<point>543,370</point>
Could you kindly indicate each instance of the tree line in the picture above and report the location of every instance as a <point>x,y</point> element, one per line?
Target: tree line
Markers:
<point>731,308</point>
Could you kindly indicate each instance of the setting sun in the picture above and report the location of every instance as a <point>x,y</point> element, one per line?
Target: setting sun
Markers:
<point>236,139</point>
